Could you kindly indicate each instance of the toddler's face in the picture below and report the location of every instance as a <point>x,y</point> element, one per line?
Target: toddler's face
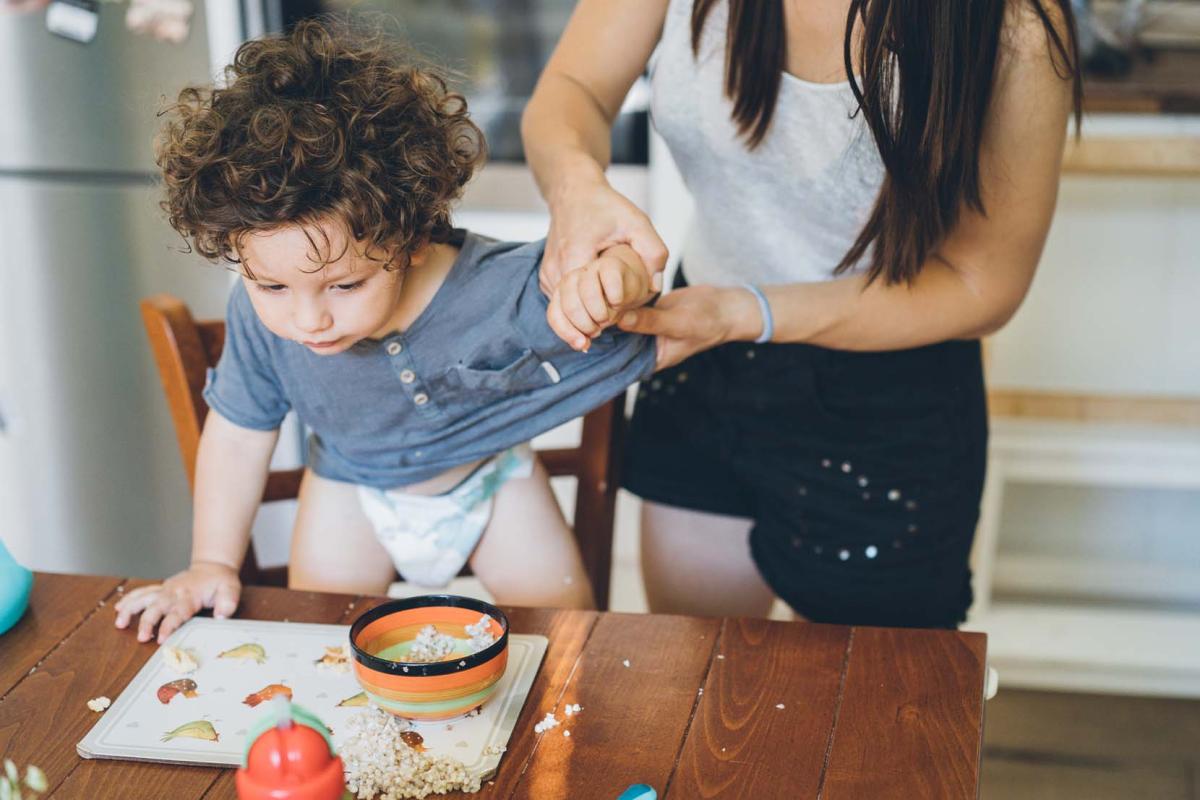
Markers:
<point>325,308</point>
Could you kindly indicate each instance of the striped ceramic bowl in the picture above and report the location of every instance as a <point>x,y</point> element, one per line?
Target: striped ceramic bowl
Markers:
<point>382,637</point>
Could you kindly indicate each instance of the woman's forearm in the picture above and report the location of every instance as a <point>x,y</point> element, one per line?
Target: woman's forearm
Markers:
<point>567,136</point>
<point>567,125</point>
<point>846,314</point>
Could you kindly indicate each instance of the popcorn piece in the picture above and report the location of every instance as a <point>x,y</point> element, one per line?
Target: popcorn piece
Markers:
<point>180,660</point>
<point>481,634</point>
<point>430,646</point>
<point>380,765</point>
<point>98,704</point>
<point>570,710</point>
<point>626,662</point>
<point>567,734</point>
<point>779,705</point>
<point>546,724</point>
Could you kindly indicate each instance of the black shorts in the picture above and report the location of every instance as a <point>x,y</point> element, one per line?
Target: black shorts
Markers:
<point>862,472</point>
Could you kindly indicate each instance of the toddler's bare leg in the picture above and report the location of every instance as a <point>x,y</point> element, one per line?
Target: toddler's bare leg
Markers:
<point>334,548</point>
<point>698,563</point>
<point>528,556</point>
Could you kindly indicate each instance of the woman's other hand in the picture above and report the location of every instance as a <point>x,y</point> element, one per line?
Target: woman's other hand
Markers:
<point>695,318</point>
<point>173,602</point>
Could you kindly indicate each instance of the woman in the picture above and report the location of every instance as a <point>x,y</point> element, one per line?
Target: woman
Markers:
<point>874,181</point>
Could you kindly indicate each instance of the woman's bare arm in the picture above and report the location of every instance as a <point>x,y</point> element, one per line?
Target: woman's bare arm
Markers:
<point>969,287</point>
<point>567,126</point>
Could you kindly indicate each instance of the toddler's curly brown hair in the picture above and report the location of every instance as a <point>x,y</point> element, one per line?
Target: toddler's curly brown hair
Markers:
<point>334,121</point>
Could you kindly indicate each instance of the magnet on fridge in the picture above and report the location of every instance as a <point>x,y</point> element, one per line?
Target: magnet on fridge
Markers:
<point>76,20</point>
<point>165,20</point>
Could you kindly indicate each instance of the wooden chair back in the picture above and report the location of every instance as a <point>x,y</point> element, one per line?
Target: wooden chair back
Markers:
<point>184,349</point>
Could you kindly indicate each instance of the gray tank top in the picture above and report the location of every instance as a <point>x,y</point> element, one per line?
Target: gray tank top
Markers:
<point>786,212</point>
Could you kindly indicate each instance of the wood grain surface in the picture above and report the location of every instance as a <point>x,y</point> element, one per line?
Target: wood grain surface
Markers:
<point>697,708</point>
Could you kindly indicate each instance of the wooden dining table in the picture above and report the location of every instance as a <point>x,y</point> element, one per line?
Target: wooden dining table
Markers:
<point>696,708</point>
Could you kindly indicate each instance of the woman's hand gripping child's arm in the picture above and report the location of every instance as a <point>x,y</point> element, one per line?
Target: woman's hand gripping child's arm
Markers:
<point>231,472</point>
<point>589,299</point>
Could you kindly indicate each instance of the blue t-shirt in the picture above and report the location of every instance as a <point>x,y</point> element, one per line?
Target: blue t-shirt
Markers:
<point>477,372</point>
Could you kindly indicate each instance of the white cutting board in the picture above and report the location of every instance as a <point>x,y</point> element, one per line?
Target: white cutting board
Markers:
<point>134,726</point>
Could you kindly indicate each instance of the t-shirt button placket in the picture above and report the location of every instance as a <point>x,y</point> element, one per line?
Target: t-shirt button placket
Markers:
<point>394,348</point>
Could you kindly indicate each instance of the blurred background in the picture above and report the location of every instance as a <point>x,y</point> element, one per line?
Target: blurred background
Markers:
<point>1088,554</point>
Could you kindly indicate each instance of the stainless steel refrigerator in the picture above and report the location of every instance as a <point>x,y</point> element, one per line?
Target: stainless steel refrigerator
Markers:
<point>90,474</point>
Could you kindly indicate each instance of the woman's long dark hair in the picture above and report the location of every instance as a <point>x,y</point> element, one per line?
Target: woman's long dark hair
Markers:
<point>937,58</point>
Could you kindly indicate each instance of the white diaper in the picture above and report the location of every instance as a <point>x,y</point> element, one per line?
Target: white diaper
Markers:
<point>430,537</point>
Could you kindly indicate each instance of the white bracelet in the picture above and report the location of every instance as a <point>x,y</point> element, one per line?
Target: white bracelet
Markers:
<point>768,331</point>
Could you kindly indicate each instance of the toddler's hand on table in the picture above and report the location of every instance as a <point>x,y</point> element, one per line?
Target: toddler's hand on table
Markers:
<point>589,299</point>
<point>169,604</point>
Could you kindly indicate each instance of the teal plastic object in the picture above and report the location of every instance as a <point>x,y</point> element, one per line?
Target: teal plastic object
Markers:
<point>15,585</point>
<point>639,791</point>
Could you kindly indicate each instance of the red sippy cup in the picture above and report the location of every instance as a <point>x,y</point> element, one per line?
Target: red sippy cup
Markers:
<point>290,756</point>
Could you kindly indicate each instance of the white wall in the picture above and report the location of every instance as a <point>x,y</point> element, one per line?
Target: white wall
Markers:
<point>1114,309</point>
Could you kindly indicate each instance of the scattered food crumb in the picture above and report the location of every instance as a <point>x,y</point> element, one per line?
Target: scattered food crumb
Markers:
<point>570,709</point>
<point>567,734</point>
<point>779,705</point>
<point>336,659</point>
<point>701,690</point>
<point>721,656</point>
<point>550,721</point>
<point>626,662</point>
<point>98,704</point>
<point>379,764</point>
<point>180,660</point>
<point>494,750</point>
<point>722,749</point>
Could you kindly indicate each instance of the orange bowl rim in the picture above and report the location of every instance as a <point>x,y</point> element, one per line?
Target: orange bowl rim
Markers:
<point>388,666</point>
